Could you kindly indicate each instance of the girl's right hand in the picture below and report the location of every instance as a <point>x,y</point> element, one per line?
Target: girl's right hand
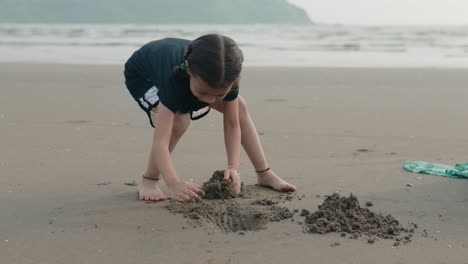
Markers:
<point>186,192</point>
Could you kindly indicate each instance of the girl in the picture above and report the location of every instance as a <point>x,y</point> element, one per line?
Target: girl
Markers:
<point>177,80</point>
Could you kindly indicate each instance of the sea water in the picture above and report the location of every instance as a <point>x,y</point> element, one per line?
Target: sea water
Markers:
<point>263,45</point>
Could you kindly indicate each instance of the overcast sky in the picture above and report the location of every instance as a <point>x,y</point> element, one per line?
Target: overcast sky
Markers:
<point>388,12</point>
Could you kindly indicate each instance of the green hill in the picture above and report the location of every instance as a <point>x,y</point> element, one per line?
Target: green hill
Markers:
<point>152,11</point>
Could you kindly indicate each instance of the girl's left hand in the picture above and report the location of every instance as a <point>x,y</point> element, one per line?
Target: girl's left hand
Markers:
<point>234,175</point>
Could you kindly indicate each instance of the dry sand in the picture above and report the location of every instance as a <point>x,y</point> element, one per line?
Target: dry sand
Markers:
<point>71,137</point>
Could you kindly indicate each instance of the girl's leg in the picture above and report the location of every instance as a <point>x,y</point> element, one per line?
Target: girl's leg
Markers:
<point>252,146</point>
<point>150,189</point>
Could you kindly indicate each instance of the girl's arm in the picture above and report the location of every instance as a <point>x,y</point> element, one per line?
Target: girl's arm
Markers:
<point>232,140</point>
<point>162,137</point>
<point>184,191</point>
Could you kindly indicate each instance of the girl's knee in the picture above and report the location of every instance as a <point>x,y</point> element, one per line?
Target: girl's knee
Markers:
<point>181,124</point>
<point>242,106</point>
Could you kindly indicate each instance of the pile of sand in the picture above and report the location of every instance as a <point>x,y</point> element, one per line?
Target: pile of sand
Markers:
<point>218,188</point>
<point>219,210</point>
<point>345,215</point>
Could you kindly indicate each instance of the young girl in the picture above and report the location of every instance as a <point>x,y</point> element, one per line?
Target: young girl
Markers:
<point>177,80</point>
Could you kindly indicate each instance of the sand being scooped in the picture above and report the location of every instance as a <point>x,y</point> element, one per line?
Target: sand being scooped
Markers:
<point>220,210</point>
<point>219,188</point>
<point>345,215</point>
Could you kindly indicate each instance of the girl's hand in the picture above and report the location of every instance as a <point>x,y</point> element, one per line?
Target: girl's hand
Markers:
<point>186,192</point>
<point>233,174</point>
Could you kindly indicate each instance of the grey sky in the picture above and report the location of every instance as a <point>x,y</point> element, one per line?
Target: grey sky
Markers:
<point>390,12</point>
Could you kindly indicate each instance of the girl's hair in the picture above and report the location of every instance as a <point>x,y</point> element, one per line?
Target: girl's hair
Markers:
<point>214,58</point>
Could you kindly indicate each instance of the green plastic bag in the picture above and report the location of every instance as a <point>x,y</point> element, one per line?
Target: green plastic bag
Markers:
<point>460,170</point>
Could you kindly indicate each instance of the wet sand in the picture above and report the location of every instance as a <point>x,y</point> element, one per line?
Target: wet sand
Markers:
<point>71,137</point>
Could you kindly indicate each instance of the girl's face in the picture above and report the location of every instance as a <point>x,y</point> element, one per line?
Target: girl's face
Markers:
<point>204,92</point>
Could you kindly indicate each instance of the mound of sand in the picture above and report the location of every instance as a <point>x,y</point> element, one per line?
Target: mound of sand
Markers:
<point>219,210</point>
<point>218,188</point>
<point>344,215</point>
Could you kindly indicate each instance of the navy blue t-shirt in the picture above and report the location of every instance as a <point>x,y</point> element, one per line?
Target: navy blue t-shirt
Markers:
<point>153,66</point>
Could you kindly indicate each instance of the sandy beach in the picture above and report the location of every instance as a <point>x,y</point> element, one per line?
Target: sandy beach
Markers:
<point>71,137</point>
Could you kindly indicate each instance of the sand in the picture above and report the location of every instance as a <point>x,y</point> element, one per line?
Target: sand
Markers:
<point>344,215</point>
<point>223,209</point>
<point>72,137</point>
<point>219,188</point>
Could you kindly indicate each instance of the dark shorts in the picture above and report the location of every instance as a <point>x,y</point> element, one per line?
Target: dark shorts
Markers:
<point>146,95</point>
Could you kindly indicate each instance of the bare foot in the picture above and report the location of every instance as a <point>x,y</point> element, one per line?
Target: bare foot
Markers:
<point>270,179</point>
<point>149,190</point>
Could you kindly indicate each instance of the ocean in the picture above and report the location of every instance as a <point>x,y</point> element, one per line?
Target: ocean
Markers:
<point>263,45</point>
